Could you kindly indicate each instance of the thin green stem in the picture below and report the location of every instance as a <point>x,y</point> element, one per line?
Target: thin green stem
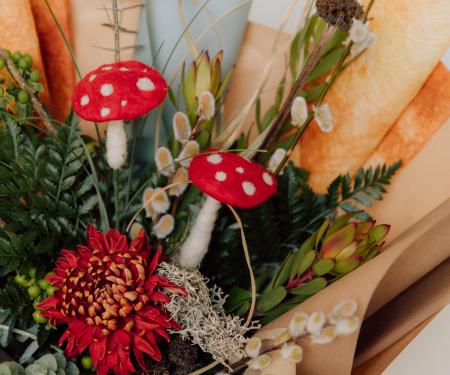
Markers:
<point>116,198</point>
<point>66,41</point>
<point>136,134</point>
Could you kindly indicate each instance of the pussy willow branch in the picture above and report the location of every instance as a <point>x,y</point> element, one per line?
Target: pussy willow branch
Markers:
<point>284,113</point>
<point>23,85</point>
<point>116,29</point>
<point>337,70</point>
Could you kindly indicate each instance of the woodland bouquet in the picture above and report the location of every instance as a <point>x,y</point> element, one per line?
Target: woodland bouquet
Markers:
<point>111,266</point>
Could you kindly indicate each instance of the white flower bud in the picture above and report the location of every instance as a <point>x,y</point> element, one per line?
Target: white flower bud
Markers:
<point>276,159</point>
<point>206,106</point>
<point>253,347</point>
<point>160,202</point>
<point>348,326</point>
<point>326,336</point>
<point>190,150</point>
<point>324,118</point>
<point>260,363</point>
<point>116,144</point>
<point>146,201</point>
<point>181,127</point>
<point>361,37</point>
<point>297,326</point>
<point>164,161</point>
<point>293,353</point>
<point>316,321</point>
<point>164,226</point>
<point>359,31</point>
<point>299,111</point>
<point>344,309</point>
<point>181,178</point>
<point>135,230</point>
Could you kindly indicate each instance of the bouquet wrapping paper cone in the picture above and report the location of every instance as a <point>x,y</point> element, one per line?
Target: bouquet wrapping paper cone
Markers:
<point>409,258</point>
<point>369,96</point>
<point>58,63</point>
<point>406,312</point>
<point>424,116</point>
<point>19,34</point>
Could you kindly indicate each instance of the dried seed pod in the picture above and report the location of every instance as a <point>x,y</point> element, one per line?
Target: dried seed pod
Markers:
<point>339,13</point>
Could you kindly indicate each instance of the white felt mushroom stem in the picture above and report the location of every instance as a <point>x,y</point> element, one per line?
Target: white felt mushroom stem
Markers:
<point>195,247</point>
<point>116,144</point>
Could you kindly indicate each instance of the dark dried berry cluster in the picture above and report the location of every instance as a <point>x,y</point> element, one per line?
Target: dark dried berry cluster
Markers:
<point>339,13</point>
<point>181,357</point>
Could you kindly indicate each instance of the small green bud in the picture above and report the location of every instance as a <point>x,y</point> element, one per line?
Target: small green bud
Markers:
<point>11,86</point>
<point>21,280</point>
<point>39,318</point>
<point>86,362</point>
<point>23,98</point>
<point>43,284</point>
<point>28,60</point>
<point>2,63</point>
<point>2,92</point>
<point>16,56</point>
<point>34,292</point>
<point>32,272</point>
<point>35,76</point>
<point>50,290</point>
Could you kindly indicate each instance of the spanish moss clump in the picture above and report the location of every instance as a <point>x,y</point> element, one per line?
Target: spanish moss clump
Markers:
<point>202,316</point>
<point>339,13</point>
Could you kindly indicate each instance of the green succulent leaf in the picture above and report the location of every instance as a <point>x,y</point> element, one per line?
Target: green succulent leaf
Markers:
<point>270,299</point>
<point>334,244</point>
<point>306,262</point>
<point>378,233</point>
<point>323,266</point>
<point>309,288</point>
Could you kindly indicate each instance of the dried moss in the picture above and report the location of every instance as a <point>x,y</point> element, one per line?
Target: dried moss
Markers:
<point>202,316</point>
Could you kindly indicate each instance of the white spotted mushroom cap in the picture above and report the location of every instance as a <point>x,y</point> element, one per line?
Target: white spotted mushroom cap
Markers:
<point>119,91</point>
<point>232,179</point>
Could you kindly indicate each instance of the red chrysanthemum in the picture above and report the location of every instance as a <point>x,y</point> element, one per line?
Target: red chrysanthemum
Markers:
<point>111,300</point>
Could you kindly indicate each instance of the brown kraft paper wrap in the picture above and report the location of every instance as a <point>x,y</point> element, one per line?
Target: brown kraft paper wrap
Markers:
<point>58,63</point>
<point>410,257</point>
<point>369,96</point>
<point>424,116</point>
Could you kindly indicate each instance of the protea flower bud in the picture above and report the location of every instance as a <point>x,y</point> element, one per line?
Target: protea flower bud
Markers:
<point>351,243</point>
<point>203,75</point>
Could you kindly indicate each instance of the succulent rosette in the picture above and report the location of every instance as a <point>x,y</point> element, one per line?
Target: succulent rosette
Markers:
<point>112,301</point>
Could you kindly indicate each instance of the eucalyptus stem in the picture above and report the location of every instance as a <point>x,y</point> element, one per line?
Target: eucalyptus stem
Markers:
<point>24,86</point>
<point>19,332</point>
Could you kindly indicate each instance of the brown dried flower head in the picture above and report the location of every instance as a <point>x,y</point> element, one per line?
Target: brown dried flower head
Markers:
<point>339,13</point>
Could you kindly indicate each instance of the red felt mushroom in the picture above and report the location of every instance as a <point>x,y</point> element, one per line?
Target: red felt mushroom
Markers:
<point>225,178</point>
<point>117,92</point>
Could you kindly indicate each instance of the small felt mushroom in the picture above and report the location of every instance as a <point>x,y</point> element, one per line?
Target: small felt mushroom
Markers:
<point>225,178</point>
<point>115,93</point>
